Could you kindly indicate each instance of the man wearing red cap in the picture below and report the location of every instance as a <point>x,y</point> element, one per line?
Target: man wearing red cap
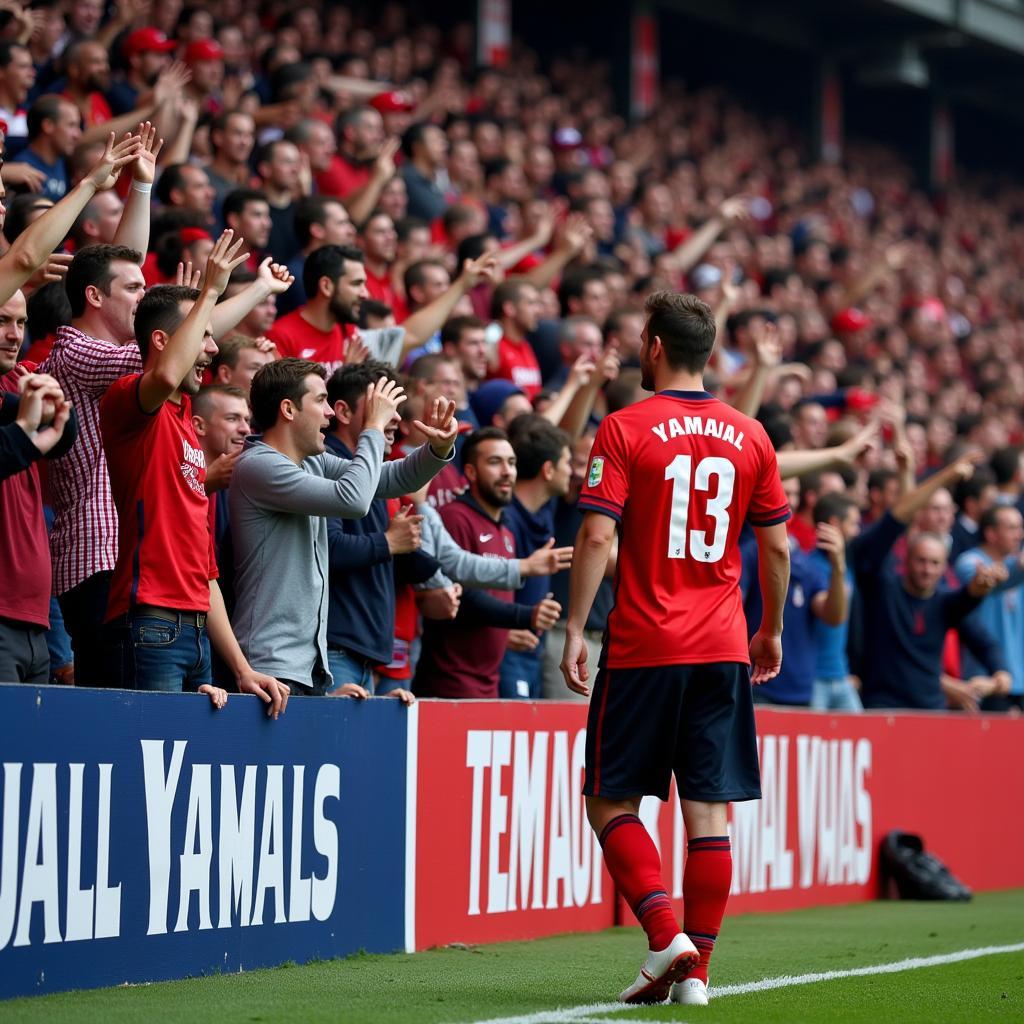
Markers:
<point>205,58</point>
<point>148,52</point>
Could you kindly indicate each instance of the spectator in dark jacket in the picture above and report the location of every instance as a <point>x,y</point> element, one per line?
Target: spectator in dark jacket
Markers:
<point>906,618</point>
<point>361,596</point>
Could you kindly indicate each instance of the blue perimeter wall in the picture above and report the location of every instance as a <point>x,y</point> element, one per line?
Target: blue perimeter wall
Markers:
<point>125,814</point>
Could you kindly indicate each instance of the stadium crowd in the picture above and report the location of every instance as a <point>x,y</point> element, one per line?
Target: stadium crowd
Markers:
<point>312,323</point>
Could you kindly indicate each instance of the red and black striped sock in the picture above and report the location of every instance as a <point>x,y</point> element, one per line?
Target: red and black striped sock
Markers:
<point>706,881</point>
<point>635,867</point>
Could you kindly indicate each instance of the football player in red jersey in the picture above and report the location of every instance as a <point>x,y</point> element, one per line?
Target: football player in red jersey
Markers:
<point>678,475</point>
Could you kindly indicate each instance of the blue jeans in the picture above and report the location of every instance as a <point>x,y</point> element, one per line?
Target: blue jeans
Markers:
<point>835,695</point>
<point>154,654</point>
<point>520,675</point>
<point>349,667</point>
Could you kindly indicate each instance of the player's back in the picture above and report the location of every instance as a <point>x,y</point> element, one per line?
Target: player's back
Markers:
<point>682,472</point>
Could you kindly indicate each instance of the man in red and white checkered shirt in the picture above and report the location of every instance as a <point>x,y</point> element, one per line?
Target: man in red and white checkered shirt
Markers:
<point>104,286</point>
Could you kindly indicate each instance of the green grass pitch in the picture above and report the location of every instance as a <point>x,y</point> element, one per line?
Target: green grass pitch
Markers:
<point>459,986</point>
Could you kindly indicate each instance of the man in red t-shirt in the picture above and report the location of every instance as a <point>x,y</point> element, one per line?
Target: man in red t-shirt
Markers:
<point>361,132</point>
<point>164,594</point>
<point>335,281</point>
<point>676,476</point>
<point>379,243</point>
<point>516,306</point>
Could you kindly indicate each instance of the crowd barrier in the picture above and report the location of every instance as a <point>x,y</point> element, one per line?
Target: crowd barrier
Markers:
<point>148,837</point>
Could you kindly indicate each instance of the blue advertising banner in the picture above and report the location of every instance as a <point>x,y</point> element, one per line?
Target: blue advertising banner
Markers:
<point>145,836</point>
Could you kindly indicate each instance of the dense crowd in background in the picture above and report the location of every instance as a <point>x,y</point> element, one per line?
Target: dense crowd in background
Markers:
<point>407,235</point>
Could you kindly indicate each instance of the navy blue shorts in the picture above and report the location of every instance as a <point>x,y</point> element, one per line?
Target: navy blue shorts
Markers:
<point>696,721</point>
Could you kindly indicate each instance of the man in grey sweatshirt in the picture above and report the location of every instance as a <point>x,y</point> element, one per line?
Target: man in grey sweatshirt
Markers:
<point>284,486</point>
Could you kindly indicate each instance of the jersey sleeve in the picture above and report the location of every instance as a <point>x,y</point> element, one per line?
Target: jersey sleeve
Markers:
<point>606,487</point>
<point>120,412</point>
<point>768,503</point>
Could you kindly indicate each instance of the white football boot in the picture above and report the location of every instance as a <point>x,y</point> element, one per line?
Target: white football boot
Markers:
<point>662,968</point>
<point>689,992</point>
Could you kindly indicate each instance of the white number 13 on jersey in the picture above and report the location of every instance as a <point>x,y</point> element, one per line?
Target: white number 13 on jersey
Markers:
<point>679,537</point>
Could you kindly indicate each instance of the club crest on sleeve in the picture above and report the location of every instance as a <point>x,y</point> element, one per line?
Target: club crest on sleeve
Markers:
<point>596,471</point>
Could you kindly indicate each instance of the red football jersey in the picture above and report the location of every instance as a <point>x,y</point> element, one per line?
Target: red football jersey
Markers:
<point>518,363</point>
<point>165,553</point>
<point>681,472</point>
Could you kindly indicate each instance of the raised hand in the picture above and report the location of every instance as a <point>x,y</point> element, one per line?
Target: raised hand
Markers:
<point>276,276</point>
<point>963,468</point>
<point>187,276</point>
<point>224,257</point>
<point>610,363</point>
<point>731,291</point>
<point>170,83</point>
<point>384,165</point>
<point>576,234</point>
<point>149,149</point>
<point>475,272</point>
<point>382,402</point>
<point>546,560</point>
<point>733,209</point>
<point>581,372</point>
<point>862,442</point>
<point>107,169</point>
<point>768,348</point>
<point>356,351</point>
<point>832,542</point>
<point>442,427</point>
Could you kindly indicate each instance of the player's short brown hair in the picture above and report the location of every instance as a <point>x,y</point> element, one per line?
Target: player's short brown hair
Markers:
<point>686,327</point>
<point>273,383</point>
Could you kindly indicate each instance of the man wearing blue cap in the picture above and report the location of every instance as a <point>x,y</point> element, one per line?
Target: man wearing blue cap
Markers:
<point>496,403</point>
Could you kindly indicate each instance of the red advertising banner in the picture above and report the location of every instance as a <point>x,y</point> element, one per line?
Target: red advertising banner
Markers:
<point>644,70</point>
<point>504,851</point>
<point>503,846</point>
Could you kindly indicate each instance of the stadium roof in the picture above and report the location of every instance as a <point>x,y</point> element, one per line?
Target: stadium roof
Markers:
<point>970,51</point>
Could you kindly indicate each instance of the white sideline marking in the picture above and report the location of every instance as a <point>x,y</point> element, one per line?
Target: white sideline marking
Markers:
<point>586,1014</point>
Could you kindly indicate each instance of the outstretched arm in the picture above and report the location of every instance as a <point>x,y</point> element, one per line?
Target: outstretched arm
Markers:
<point>182,348</point>
<point>271,279</point>
<point>133,228</point>
<point>33,246</point>
<point>431,318</point>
